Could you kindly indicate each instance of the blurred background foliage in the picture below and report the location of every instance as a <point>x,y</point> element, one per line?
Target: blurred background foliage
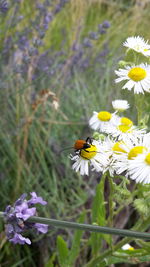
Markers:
<point>57,66</point>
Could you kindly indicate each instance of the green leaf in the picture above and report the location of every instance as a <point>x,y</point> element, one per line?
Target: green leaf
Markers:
<point>98,217</point>
<point>62,251</point>
<point>142,206</point>
<point>50,261</point>
<point>76,242</point>
<point>98,207</point>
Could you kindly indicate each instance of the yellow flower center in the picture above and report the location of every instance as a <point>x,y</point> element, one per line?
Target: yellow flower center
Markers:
<point>104,116</point>
<point>147,159</point>
<point>135,151</point>
<point>116,148</point>
<point>126,121</point>
<point>124,128</point>
<point>137,74</point>
<point>89,153</point>
<point>131,248</point>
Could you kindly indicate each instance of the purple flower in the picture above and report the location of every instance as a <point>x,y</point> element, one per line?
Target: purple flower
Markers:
<point>24,212</point>
<point>101,29</point>
<point>20,200</point>
<point>43,228</point>
<point>93,35</point>
<point>35,199</point>
<point>3,6</point>
<point>19,239</point>
<point>9,231</point>
<point>16,217</point>
<point>106,24</point>
<point>87,43</point>
<point>48,18</point>
<point>23,42</point>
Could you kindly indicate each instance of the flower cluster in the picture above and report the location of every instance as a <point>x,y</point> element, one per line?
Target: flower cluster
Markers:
<point>16,217</point>
<point>120,147</point>
<point>123,149</point>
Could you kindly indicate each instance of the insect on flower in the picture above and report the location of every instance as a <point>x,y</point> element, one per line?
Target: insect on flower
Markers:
<point>88,154</point>
<point>80,145</point>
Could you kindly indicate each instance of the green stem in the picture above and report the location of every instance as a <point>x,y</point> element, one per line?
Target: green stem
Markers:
<point>139,103</point>
<point>110,207</point>
<point>87,227</point>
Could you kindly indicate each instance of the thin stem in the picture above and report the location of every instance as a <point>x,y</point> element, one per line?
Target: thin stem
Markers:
<point>87,227</point>
<point>110,207</point>
<point>139,103</point>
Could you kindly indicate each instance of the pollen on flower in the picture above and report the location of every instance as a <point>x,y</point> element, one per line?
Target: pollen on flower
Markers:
<point>89,153</point>
<point>135,151</point>
<point>147,159</point>
<point>116,148</point>
<point>104,116</point>
<point>126,121</point>
<point>124,128</point>
<point>137,74</point>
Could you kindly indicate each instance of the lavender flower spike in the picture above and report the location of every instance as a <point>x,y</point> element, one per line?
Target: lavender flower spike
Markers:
<point>16,217</point>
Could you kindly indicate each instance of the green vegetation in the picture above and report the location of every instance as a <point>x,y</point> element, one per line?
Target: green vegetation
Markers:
<point>34,130</point>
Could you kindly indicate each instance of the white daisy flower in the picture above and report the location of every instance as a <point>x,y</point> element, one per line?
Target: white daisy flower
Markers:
<point>139,168</point>
<point>123,129</point>
<point>106,147</point>
<point>110,147</point>
<point>138,44</point>
<point>92,156</point>
<point>101,120</point>
<point>120,155</point>
<point>131,149</point>
<point>120,105</point>
<point>138,78</point>
<point>127,247</point>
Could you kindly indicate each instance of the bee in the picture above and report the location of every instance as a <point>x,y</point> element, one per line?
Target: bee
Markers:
<point>80,145</point>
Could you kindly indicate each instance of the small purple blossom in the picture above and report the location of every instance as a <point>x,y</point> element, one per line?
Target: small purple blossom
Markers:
<point>106,24</point>
<point>19,239</point>
<point>23,212</point>
<point>42,228</point>
<point>103,27</point>
<point>35,199</point>
<point>93,35</point>
<point>87,43</point>
<point>16,217</point>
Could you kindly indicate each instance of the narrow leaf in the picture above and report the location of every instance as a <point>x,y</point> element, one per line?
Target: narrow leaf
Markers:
<point>62,251</point>
<point>76,242</point>
<point>98,216</point>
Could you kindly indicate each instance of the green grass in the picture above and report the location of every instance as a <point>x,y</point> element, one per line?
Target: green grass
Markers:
<point>31,142</point>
